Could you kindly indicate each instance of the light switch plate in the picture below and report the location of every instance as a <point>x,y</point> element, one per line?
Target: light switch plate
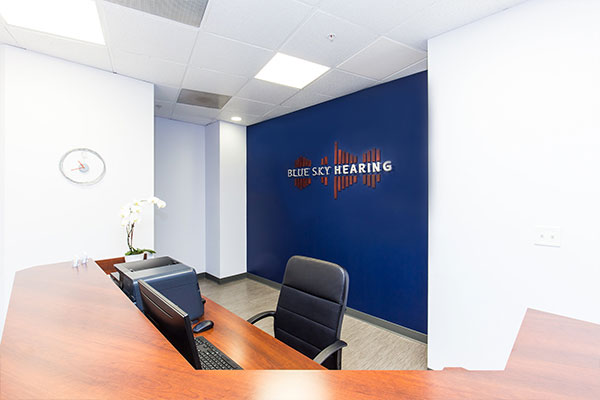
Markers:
<point>547,236</point>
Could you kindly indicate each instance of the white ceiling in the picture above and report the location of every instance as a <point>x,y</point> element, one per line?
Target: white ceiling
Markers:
<point>375,41</point>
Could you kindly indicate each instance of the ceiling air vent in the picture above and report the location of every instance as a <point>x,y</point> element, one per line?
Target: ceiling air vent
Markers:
<point>189,12</point>
<point>196,98</point>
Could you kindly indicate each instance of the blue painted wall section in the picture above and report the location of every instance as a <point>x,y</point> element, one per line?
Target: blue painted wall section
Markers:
<point>378,234</point>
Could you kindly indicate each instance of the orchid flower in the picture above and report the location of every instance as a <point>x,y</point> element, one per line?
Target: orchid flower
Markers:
<point>131,214</point>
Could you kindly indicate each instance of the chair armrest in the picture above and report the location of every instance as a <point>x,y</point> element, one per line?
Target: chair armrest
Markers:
<point>260,316</point>
<point>329,350</point>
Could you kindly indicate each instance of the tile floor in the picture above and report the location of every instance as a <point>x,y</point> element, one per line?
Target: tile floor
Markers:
<point>369,346</point>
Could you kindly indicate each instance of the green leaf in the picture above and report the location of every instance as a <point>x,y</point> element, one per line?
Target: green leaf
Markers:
<point>148,251</point>
<point>134,252</point>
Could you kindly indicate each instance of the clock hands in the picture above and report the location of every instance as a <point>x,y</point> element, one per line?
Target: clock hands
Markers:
<point>83,167</point>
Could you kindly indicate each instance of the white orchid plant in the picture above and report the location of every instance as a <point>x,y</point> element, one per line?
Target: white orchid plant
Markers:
<point>131,214</point>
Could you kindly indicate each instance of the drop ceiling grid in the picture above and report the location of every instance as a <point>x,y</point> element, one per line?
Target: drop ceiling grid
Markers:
<point>136,32</point>
<point>123,61</point>
<point>187,67</point>
<point>247,20</point>
<point>316,97</point>
<point>139,45</point>
<point>246,117</point>
<point>226,111</point>
<point>178,70</point>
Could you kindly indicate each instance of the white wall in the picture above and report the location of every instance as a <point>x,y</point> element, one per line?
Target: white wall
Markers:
<point>49,107</point>
<point>226,199</point>
<point>514,131</point>
<point>213,237</point>
<point>5,285</point>
<point>179,228</point>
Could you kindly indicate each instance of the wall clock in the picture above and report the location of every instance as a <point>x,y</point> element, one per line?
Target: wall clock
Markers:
<point>82,166</point>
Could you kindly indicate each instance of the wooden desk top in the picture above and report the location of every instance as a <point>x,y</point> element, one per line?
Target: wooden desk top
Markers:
<point>71,334</point>
<point>249,346</point>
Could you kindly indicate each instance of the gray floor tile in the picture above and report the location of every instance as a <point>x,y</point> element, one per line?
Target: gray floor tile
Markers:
<point>369,346</point>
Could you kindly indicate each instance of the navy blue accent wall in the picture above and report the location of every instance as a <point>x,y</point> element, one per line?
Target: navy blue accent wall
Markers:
<point>379,235</point>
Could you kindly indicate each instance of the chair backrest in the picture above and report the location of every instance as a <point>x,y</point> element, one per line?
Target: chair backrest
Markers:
<point>311,307</point>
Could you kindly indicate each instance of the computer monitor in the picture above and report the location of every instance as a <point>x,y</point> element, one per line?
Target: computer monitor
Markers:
<point>171,321</point>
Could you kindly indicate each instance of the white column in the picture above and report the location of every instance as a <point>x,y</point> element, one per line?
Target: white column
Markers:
<point>225,199</point>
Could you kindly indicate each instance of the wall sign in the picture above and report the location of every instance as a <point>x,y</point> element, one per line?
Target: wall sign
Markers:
<point>345,170</point>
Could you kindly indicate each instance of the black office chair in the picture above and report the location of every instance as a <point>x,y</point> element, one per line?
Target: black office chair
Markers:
<point>310,309</point>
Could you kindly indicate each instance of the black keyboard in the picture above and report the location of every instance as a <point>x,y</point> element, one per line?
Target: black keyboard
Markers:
<point>211,357</point>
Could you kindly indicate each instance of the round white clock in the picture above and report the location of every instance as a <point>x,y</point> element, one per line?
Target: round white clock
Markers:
<point>82,166</point>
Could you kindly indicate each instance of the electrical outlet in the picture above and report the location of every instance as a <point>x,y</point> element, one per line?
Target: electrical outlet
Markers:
<point>547,236</point>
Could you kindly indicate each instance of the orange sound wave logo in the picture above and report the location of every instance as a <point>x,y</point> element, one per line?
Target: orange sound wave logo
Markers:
<point>302,162</point>
<point>345,171</point>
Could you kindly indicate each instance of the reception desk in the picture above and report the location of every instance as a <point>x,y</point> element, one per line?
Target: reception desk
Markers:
<point>71,334</point>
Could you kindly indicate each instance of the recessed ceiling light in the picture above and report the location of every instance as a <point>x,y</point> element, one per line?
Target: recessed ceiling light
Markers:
<point>76,19</point>
<point>291,71</point>
<point>236,119</point>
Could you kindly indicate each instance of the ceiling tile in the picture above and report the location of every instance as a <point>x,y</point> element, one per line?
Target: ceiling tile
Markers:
<point>379,16</point>
<point>73,50</point>
<point>163,109</point>
<point>229,56</point>
<point>382,58</point>
<point>195,111</point>
<point>141,33</point>
<point>252,121</point>
<point>311,43</point>
<point>419,66</point>
<point>266,92</point>
<point>213,81</point>
<point>265,23</point>
<point>247,107</point>
<point>194,114</point>
<point>166,93</point>
<point>338,83</point>
<point>5,36</point>
<point>305,99</point>
<point>277,112</point>
<point>147,68</point>
<point>444,16</point>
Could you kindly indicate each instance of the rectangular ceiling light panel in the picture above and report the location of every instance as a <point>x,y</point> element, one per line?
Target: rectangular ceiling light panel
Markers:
<point>74,19</point>
<point>291,71</point>
<point>189,12</point>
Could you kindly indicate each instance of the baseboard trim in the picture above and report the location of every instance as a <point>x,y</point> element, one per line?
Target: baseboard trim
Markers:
<point>266,281</point>
<point>220,281</point>
<point>390,326</point>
